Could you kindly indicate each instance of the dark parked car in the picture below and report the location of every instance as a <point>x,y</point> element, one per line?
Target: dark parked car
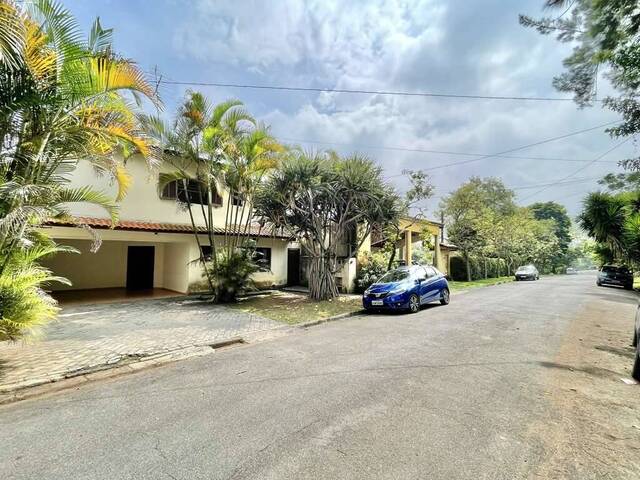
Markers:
<point>613,275</point>
<point>635,372</point>
<point>407,288</point>
<point>527,272</point>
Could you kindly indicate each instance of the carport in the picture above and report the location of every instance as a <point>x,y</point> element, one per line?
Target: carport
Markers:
<point>128,263</point>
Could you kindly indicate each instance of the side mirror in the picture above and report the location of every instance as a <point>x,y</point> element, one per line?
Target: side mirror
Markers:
<point>421,279</point>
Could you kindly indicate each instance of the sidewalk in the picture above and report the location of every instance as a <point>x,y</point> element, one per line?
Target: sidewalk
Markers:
<point>92,337</point>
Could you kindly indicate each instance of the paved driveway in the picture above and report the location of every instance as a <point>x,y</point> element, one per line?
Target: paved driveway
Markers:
<point>87,336</point>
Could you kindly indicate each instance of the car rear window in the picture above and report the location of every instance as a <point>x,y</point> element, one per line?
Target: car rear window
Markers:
<point>526,269</point>
<point>611,269</point>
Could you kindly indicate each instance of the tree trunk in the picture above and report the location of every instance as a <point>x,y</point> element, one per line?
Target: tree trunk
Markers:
<point>468,264</point>
<point>322,282</point>
<point>392,258</point>
<point>485,269</point>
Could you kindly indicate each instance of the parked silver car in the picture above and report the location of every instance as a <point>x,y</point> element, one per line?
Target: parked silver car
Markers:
<point>527,272</point>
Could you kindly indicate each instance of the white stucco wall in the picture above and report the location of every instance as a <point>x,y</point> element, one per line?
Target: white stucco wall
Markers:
<point>174,268</point>
<point>175,275</point>
<point>142,201</point>
<point>276,277</point>
<point>104,269</point>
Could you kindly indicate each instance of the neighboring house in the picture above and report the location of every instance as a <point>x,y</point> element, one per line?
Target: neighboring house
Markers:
<point>413,232</point>
<point>153,245</point>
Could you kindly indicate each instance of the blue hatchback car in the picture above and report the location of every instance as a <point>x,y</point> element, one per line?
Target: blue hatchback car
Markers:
<point>407,288</point>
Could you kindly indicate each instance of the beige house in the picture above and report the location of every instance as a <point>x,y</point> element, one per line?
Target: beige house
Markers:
<point>153,246</point>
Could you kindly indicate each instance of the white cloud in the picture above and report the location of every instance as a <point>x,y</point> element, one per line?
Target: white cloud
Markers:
<point>451,46</point>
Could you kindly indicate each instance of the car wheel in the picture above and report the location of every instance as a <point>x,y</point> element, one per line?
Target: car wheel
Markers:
<point>628,287</point>
<point>635,371</point>
<point>414,303</point>
<point>444,297</point>
<point>598,283</point>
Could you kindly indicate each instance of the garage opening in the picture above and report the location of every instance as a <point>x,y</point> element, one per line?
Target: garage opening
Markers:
<point>119,271</point>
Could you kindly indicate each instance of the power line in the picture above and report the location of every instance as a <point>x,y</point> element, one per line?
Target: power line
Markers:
<point>533,185</point>
<point>511,150</point>
<point>618,145</point>
<point>440,152</point>
<point>365,92</point>
<point>568,182</point>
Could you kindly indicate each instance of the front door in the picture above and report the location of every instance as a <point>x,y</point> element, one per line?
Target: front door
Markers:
<point>293,266</point>
<point>140,261</point>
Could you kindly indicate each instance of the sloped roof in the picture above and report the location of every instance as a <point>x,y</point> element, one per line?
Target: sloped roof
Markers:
<point>144,226</point>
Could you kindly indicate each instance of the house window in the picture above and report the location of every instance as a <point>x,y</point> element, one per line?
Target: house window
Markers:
<point>207,251</point>
<point>170,191</point>
<point>194,193</point>
<point>237,200</point>
<point>262,257</point>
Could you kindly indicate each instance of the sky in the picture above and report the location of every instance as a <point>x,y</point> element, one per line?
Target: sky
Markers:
<point>468,47</point>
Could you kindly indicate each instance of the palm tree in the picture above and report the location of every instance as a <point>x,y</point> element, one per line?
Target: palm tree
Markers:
<point>614,222</point>
<point>257,153</point>
<point>219,147</point>
<point>62,98</point>
<point>327,202</point>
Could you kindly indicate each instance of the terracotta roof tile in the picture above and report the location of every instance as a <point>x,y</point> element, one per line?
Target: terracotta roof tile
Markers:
<point>138,226</point>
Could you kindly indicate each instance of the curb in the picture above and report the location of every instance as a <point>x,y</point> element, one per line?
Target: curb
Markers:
<point>313,323</point>
<point>126,366</point>
<point>104,371</point>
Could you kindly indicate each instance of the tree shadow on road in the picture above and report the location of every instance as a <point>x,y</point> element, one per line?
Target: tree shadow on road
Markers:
<point>613,294</point>
<point>628,352</point>
<point>595,371</point>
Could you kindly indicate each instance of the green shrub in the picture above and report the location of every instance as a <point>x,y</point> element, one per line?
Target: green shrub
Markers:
<point>232,273</point>
<point>24,305</point>
<point>371,266</point>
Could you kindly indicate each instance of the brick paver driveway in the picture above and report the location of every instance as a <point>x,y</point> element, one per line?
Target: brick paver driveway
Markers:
<point>89,336</point>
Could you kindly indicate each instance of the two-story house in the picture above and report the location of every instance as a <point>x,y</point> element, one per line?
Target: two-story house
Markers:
<point>152,245</point>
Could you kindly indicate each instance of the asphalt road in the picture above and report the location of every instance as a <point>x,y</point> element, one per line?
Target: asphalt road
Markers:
<point>449,393</point>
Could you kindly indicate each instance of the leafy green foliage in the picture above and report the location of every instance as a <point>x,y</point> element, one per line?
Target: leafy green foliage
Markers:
<point>63,97</point>
<point>606,36</point>
<point>223,149</point>
<point>556,213</point>
<point>484,222</point>
<point>371,267</point>
<point>232,273</point>
<point>613,220</point>
<point>326,201</point>
<point>24,305</point>
<point>621,182</point>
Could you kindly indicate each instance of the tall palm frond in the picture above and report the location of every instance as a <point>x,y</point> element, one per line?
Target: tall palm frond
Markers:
<point>12,36</point>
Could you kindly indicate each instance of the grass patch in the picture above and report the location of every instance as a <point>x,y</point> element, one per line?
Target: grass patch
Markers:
<point>292,308</point>
<point>484,282</point>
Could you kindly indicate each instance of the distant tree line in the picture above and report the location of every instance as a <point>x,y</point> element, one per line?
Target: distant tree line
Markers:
<point>495,236</point>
